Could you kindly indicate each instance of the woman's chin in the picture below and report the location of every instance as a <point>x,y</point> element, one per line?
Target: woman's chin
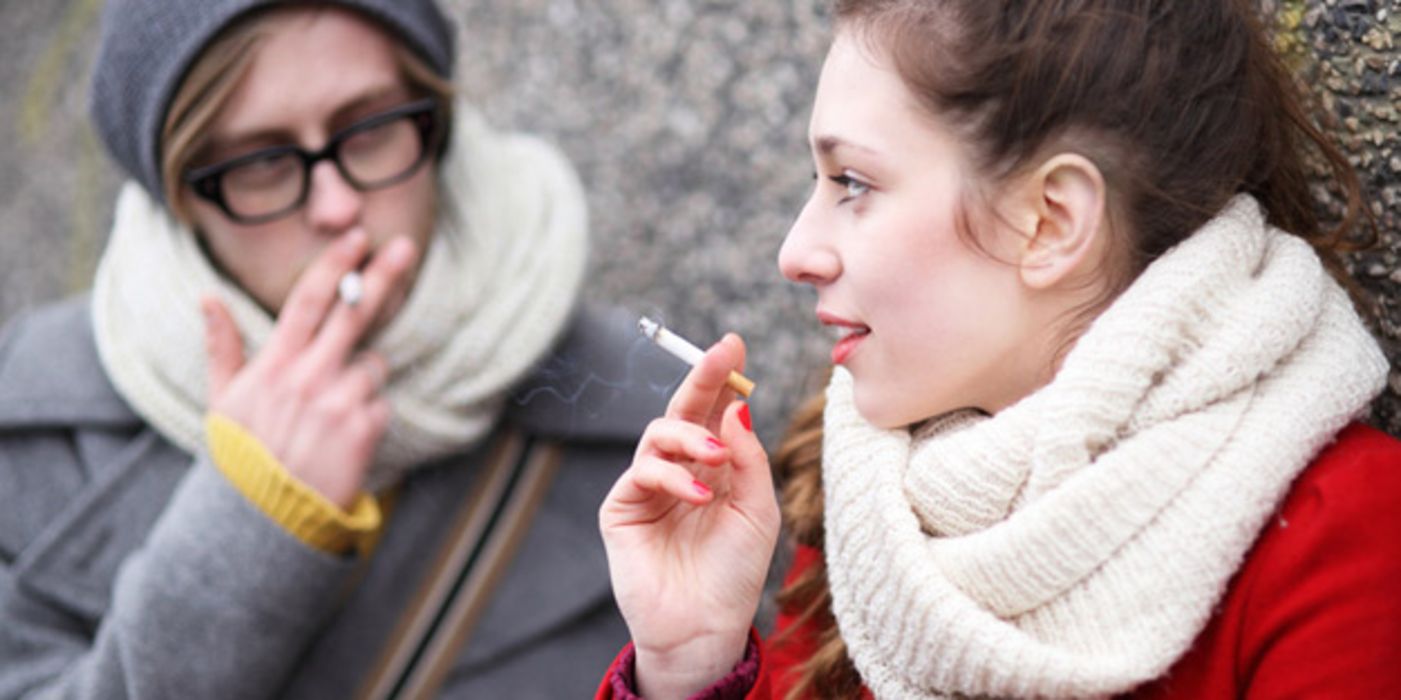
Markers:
<point>877,411</point>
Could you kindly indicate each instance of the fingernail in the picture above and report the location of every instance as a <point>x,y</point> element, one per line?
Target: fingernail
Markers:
<point>700,488</point>
<point>744,418</point>
<point>714,444</point>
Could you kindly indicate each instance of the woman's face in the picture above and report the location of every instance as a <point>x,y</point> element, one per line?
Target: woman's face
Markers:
<point>316,72</point>
<point>928,322</point>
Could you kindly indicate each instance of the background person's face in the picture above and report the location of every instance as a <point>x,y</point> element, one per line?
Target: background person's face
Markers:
<point>316,72</point>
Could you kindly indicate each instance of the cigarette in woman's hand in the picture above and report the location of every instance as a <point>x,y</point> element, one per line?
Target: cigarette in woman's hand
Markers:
<point>683,350</point>
<point>351,288</point>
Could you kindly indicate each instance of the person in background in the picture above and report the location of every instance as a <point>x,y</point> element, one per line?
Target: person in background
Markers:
<point>332,421</point>
<point>1092,429</point>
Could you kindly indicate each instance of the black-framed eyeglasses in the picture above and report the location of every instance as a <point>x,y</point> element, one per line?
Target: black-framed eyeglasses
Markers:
<point>378,151</point>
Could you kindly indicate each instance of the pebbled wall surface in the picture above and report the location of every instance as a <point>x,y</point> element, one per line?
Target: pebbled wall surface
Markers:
<point>687,120</point>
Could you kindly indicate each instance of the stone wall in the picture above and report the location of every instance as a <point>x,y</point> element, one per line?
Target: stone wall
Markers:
<point>1349,51</point>
<point>687,119</point>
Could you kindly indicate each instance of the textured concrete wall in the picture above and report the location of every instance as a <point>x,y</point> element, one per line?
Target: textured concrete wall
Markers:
<point>1349,51</point>
<point>687,119</point>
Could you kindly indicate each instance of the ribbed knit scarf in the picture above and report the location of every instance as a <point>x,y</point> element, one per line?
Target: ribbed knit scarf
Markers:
<point>497,284</point>
<point>1074,544</point>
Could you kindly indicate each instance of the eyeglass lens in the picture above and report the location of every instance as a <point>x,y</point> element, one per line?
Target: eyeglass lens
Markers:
<point>368,158</point>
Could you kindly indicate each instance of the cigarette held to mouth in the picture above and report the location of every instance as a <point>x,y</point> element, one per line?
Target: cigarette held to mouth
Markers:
<point>351,288</point>
<point>683,350</point>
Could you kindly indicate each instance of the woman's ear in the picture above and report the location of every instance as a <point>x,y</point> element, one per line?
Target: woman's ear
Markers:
<point>1066,198</point>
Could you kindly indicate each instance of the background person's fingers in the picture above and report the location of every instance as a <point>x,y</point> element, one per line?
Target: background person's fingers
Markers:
<point>362,379</point>
<point>351,390</point>
<point>315,293</point>
<point>379,413</point>
<point>223,345</point>
<point>387,271</point>
<point>373,421</point>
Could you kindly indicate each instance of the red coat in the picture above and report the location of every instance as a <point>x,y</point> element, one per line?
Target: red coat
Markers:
<point>1315,611</point>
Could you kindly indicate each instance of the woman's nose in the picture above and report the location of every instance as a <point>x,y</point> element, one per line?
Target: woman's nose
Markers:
<point>333,204</point>
<point>806,257</point>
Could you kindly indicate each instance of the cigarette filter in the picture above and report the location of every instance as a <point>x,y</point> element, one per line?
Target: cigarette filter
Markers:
<point>685,351</point>
<point>351,288</point>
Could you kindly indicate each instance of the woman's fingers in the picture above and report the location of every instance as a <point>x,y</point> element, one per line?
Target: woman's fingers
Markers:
<point>386,273</point>
<point>704,386</point>
<point>660,469</point>
<point>223,346</point>
<point>751,480</point>
<point>648,478</point>
<point>315,292</point>
<point>725,398</point>
<point>679,440</point>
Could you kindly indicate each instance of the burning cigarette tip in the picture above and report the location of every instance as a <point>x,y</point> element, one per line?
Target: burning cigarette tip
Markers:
<point>687,352</point>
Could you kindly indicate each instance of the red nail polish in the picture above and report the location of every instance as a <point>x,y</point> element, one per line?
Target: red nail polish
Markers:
<point>700,488</point>
<point>714,444</point>
<point>744,418</point>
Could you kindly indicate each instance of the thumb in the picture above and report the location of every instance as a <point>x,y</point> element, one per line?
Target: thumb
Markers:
<point>223,345</point>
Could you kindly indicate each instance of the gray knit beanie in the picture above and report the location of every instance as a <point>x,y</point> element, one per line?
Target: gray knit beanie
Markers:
<point>149,45</point>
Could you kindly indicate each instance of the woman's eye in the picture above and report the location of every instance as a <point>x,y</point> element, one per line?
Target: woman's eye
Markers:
<point>263,172</point>
<point>854,187</point>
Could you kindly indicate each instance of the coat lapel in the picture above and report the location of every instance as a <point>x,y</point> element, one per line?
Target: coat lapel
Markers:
<point>51,376</point>
<point>74,559</point>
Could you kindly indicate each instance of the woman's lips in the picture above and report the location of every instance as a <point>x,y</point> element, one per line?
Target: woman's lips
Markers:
<point>847,345</point>
<point>852,335</point>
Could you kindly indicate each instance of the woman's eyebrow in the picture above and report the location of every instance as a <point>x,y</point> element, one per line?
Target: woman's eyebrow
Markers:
<point>340,118</point>
<point>826,145</point>
<point>221,147</point>
<point>361,106</point>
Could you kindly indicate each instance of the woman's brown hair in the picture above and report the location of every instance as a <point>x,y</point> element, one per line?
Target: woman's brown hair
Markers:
<point>1182,104</point>
<point>215,75</point>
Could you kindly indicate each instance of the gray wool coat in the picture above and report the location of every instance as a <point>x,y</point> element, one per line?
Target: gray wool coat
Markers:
<point>130,569</point>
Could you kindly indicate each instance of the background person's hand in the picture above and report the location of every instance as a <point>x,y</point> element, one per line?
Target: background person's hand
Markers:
<point>690,530</point>
<point>308,396</point>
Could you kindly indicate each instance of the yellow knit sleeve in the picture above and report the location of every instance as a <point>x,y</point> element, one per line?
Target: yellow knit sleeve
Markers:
<point>298,508</point>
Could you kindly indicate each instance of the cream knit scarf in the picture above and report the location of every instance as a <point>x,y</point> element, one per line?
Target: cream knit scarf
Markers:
<point>496,287</point>
<point>1075,543</point>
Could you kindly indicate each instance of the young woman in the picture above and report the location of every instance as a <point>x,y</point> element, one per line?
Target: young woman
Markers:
<point>1091,430</point>
<point>298,492</point>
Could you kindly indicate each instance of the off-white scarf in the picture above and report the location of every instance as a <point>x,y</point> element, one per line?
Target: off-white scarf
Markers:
<point>1075,543</point>
<point>497,284</point>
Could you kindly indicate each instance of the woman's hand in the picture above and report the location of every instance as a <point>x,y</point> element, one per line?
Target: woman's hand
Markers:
<point>690,529</point>
<point>307,396</point>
